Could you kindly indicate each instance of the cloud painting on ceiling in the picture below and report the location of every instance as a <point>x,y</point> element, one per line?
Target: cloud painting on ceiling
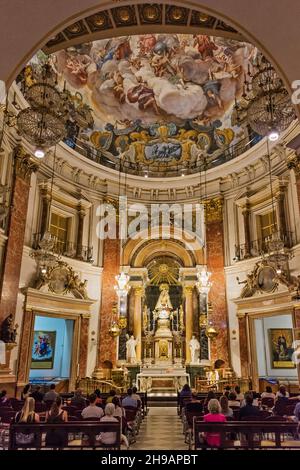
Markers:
<point>135,84</point>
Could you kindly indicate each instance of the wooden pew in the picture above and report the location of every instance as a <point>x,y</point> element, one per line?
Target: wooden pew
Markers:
<point>90,429</point>
<point>249,430</point>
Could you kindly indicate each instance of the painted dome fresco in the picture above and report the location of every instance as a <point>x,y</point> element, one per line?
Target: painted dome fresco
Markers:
<point>156,102</point>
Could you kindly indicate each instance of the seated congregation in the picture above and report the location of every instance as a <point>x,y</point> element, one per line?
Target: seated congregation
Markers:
<point>58,421</point>
<point>243,420</point>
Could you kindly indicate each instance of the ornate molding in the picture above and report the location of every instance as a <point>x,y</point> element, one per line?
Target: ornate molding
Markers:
<point>263,279</point>
<point>24,166</point>
<point>61,279</point>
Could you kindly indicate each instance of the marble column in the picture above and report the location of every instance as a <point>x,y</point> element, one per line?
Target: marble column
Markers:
<point>81,216</point>
<point>281,212</point>
<point>137,323</point>
<point>296,324</point>
<point>107,346</point>
<point>23,168</point>
<point>293,163</point>
<point>219,347</point>
<point>45,218</point>
<point>188,292</point>
<point>246,217</point>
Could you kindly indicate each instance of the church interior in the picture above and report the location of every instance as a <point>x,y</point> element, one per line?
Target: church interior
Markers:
<point>149,225</point>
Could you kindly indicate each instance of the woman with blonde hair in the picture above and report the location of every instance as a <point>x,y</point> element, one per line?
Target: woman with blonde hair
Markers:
<point>214,416</point>
<point>26,415</point>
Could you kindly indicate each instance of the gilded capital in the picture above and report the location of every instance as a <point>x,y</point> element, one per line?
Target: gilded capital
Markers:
<point>188,290</point>
<point>24,166</point>
<point>139,291</point>
<point>214,210</point>
<point>293,163</point>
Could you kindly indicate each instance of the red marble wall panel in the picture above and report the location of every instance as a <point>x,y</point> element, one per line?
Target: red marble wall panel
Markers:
<point>215,260</point>
<point>25,347</point>
<point>107,349</point>
<point>14,249</point>
<point>83,346</point>
<point>243,346</point>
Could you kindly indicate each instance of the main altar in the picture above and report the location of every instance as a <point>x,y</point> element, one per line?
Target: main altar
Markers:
<point>163,368</point>
<point>167,340</point>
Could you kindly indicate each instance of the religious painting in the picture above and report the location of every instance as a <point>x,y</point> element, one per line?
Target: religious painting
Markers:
<point>43,349</point>
<point>281,347</point>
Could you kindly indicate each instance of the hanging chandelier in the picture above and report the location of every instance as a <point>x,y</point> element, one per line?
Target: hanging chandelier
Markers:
<point>265,104</point>
<point>44,256</point>
<point>43,124</point>
<point>277,254</point>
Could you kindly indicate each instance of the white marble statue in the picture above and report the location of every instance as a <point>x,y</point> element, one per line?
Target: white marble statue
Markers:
<point>195,350</point>
<point>130,349</point>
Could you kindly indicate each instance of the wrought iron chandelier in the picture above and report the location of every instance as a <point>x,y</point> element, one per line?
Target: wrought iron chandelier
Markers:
<point>47,120</point>
<point>265,104</point>
<point>277,254</point>
<point>44,256</point>
<point>43,124</point>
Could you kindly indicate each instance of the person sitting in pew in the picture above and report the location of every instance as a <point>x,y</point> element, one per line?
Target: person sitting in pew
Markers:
<point>92,411</point>
<point>56,437</point>
<point>248,410</point>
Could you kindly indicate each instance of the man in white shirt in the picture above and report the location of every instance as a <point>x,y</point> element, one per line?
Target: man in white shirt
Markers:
<point>92,411</point>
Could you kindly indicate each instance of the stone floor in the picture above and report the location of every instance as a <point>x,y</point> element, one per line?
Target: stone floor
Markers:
<point>160,430</point>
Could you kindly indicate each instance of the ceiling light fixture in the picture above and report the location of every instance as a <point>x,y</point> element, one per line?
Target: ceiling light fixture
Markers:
<point>273,135</point>
<point>39,152</point>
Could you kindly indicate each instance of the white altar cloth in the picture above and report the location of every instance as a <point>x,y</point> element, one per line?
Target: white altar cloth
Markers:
<point>146,376</point>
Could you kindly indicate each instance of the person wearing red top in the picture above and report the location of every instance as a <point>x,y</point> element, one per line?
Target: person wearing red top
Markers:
<point>214,416</point>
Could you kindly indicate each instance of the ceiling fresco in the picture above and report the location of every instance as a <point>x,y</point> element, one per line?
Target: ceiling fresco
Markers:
<point>158,101</point>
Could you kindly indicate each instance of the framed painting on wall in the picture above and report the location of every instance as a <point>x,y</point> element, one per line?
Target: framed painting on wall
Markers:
<point>281,348</point>
<point>43,349</point>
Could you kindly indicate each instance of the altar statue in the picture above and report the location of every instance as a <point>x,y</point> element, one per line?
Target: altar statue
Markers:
<point>195,350</point>
<point>130,350</point>
<point>164,298</point>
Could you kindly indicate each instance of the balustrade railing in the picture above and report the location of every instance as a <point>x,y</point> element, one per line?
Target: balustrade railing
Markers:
<point>66,248</point>
<point>260,246</point>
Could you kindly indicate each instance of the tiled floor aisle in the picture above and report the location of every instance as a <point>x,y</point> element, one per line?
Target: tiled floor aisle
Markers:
<point>160,430</point>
